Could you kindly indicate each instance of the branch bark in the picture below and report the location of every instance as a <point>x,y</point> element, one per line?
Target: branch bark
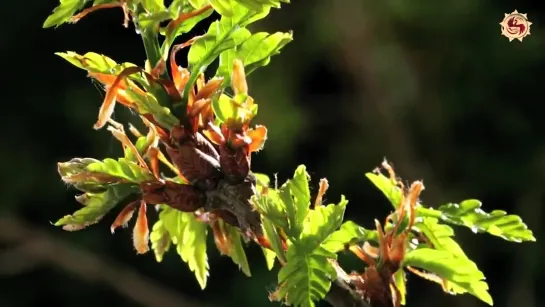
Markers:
<point>36,246</point>
<point>341,295</point>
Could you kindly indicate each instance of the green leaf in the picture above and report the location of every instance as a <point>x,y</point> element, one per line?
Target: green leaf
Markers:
<point>160,240</point>
<point>176,28</point>
<point>469,214</point>
<point>224,108</point>
<point>223,7</point>
<point>94,62</point>
<point>440,236</point>
<point>349,234</point>
<point>272,208</point>
<point>272,235</point>
<point>122,168</point>
<point>238,255</point>
<point>96,206</point>
<point>295,194</point>
<point>306,278</point>
<point>270,256</point>
<point>222,35</point>
<point>63,12</point>
<point>257,50</point>
<point>387,187</point>
<point>400,281</point>
<point>459,270</point>
<point>153,5</point>
<point>198,3</point>
<point>321,223</point>
<point>189,236</point>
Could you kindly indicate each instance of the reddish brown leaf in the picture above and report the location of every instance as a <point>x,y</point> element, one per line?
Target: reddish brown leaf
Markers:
<point>221,238</point>
<point>192,162</point>
<point>83,13</point>
<point>258,136</point>
<point>124,216</point>
<point>234,163</point>
<point>141,231</point>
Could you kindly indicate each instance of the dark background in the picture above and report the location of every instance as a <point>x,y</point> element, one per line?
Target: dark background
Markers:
<point>432,86</point>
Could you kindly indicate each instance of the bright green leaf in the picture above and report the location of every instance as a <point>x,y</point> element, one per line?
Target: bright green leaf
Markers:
<point>295,195</point>
<point>160,240</point>
<point>238,255</point>
<point>153,5</point>
<point>175,28</point>
<point>223,7</point>
<point>272,235</point>
<point>189,236</point>
<point>224,108</point>
<point>94,62</point>
<point>469,214</point>
<point>198,3</point>
<point>270,256</point>
<point>306,278</point>
<point>257,50</point>
<point>321,223</point>
<point>121,168</point>
<point>400,281</point>
<point>459,270</point>
<point>349,234</point>
<point>96,206</point>
<point>63,12</point>
<point>387,187</point>
<point>272,208</point>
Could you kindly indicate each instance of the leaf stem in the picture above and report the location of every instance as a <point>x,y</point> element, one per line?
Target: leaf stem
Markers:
<point>153,50</point>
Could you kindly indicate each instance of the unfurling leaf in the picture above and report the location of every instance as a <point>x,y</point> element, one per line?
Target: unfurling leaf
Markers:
<point>63,12</point>
<point>321,223</point>
<point>349,234</point>
<point>306,278</point>
<point>392,192</point>
<point>295,195</point>
<point>97,205</point>
<point>140,235</point>
<point>160,240</point>
<point>189,236</point>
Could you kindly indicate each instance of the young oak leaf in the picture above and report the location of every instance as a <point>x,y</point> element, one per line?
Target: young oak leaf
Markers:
<point>140,235</point>
<point>387,187</point>
<point>254,52</point>
<point>458,270</point>
<point>189,236</point>
<point>63,12</point>
<point>160,240</point>
<point>188,14</point>
<point>97,205</point>
<point>349,234</point>
<point>237,253</point>
<point>121,168</point>
<point>321,223</point>
<point>306,278</point>
<point>94,62</point>
<point>468,213</point>
<point>295,194</point>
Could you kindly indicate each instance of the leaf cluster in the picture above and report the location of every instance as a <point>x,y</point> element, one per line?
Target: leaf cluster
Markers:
<point>300,233</point>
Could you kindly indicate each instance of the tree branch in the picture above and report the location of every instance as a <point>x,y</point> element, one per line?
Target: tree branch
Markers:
<point>36,246</point>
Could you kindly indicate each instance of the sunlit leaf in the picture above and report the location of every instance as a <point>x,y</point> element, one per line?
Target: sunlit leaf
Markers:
<point>254,52</point>
<point>306,278</point>
<point>445,264</point>
<point>121,168</point>
<point>63,12</point>
<point>140,234</point>
<point>189,236</point>
<point>321,223</point>
<point>160,240</point>
<point>469,214</point>
<point>94,62</point>
<point>238,255</point>
<point>274,238</point>
<point>400,283</point>
<point>392,192</point>
<point>295,194</point>
<point>271,206</point>
<point>349,234</point>
<point>96,206</point>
